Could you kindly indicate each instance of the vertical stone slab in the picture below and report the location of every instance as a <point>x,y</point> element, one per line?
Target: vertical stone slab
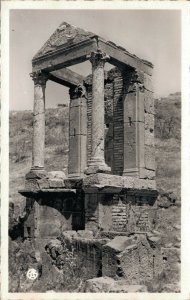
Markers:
<point>134,144</point>
<point>149,130</point>
<point>108,103</point>
<point>105,212</point>
<point>29,224</point>
<point>77,134</point>
<point>89,120</point>
<point>38,120</point>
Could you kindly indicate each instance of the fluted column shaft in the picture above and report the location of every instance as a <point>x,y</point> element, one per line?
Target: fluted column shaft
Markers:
<point>38,146</point>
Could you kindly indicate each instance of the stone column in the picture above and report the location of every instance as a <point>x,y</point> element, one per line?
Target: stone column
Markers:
<point>97,161</point>
<point>39,79</point>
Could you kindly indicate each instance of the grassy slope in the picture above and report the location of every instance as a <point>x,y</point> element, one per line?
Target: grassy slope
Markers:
<point>167,151</point>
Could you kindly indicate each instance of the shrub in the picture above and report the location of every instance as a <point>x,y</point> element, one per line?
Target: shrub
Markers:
<point>20,152</point>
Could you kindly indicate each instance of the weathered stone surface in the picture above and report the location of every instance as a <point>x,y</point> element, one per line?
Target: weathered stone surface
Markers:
<point>56,175</point>
<point>149,174</point>
<point>86,234</point>
<point>32,185</point>
<point>56,183</point>
<point>119,243</point>
<point>110,259</point>
<point>101,180</point>
<point>73,183</point>
<point>172,263</point>
<point>43,183</point>
<point>108,180</point>
<point>77,137</point>
<point>118,130</point>
<point>150,157</point>
<point>109,285</point>
<point>171,288</point>
<point>149,129</point>
<point>101,284</point>
<point>122,287</point>
<point>136,262</point>
<point>148,82</point>
<point>97,169</point>
<point>172,255</point>
<point>153,240</point>
<point>149,102</point>
<point>36,174</point>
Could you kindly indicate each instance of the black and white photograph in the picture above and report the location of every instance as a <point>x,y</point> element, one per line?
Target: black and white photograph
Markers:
<point>94,106</point>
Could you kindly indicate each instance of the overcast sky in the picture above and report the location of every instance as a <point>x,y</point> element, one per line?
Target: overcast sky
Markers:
<point>154,35</point>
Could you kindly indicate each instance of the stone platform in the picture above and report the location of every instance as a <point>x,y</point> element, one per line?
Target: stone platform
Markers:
<point>99,182</point>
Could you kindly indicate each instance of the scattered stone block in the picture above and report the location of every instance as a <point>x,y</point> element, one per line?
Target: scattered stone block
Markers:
<point>119,243</point>
<point>109,285</point>
<point>56,175</point>
<point>56,183</point>
<point>101,284</point>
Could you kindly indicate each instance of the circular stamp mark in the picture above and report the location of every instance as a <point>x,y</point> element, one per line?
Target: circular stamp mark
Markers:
<point>32,274</point>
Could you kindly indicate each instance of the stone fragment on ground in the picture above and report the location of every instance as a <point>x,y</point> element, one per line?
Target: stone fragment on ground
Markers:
<point>109,285</point>
<point>171,288</point>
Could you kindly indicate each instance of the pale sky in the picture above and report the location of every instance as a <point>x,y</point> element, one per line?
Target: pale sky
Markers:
<point>154,35</point>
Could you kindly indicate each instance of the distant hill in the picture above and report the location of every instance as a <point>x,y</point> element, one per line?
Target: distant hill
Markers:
<point>168,142</point>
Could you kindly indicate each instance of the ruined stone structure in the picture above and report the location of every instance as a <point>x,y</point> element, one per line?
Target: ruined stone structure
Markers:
<point>110,190</point>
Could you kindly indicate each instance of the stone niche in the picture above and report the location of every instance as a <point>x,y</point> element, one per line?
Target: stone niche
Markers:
<point>110,189</point>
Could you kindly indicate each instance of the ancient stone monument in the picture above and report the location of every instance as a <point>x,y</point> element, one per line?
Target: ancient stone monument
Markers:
<point>108,197</point>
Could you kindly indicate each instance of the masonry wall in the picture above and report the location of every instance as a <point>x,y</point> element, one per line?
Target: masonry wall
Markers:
<point>119,213</point>
<point>50,215</point>
<point>129,123</point>
<point>113,100</point>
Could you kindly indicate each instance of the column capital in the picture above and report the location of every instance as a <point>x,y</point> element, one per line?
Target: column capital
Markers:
<point>98,58</point>
<point>137,82</point>
<point>39,78</point>
<point>77,92</point>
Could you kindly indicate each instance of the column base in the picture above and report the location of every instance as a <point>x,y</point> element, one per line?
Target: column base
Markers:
<point>36,172</point>
<point>36,168</point>
<point>97,167</point>
<point>132,172</point>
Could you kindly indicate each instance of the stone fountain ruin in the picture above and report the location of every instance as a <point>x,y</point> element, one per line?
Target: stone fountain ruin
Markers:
<point>105,207</point>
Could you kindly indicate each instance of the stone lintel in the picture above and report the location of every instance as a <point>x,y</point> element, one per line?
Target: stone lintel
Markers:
<point>121,58</point>
<point>103,181</point>
<point>66,77</point>
<point>30,193</point>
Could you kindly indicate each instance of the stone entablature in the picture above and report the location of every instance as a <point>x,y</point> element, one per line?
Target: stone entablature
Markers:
<point>123,142</point>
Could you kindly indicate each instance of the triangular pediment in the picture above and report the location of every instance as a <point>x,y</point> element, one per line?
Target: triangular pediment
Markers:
<point>65,36</point>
